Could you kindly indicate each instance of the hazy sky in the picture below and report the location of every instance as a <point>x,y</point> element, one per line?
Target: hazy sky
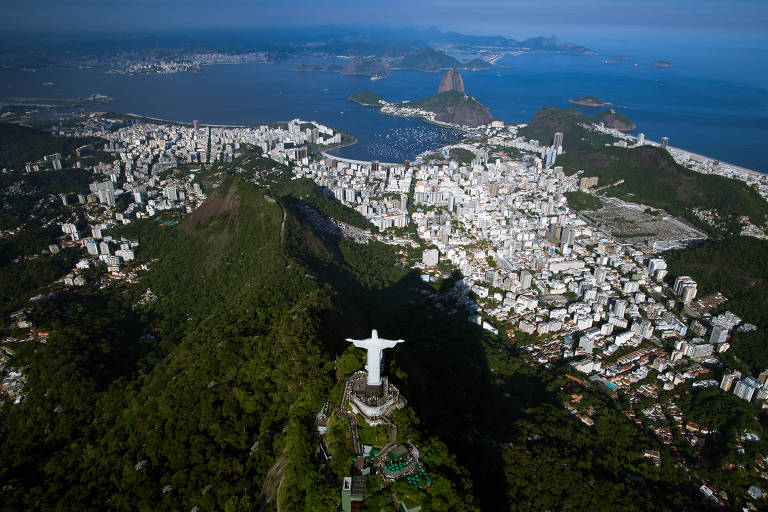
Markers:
<point>506,17</point>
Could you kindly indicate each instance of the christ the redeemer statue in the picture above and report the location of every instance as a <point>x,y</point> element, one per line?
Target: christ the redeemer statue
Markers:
<point>375,346</point>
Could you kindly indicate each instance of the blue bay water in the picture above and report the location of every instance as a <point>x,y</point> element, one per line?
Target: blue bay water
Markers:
<point>704,109</point>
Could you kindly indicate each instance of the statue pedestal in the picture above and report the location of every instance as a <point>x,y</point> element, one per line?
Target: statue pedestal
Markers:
<point>373,402</point>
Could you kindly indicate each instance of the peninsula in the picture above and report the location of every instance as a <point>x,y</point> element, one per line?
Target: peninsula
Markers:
<point>450,106</point>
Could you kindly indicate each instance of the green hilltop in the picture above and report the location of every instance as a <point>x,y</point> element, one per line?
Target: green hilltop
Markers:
<point>366,98</point>
<point>428,59</point>
<point>613,119</point>
<point>477,64</point>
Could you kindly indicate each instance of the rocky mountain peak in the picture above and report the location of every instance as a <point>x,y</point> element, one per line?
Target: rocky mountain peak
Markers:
<point>451,82</point>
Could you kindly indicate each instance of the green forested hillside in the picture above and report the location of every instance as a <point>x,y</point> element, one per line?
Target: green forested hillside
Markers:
<point>613,119</point>
<point>29,207</point>
<point>188,401</point>
<point>365,98</point>
<point>737,267</point>
<point>650,175</point>
<point>568,121</point>
<point>579,201</point>
<point>305,191</point>
<point>20,144</point>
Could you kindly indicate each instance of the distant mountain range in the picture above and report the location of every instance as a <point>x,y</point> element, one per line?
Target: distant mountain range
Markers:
<point>392,42</point>
<point>404,44</point>
<point>424,59</point>
<point>399,42</point>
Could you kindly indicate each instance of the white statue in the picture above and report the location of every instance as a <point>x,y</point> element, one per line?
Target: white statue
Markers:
<point>375,346</point>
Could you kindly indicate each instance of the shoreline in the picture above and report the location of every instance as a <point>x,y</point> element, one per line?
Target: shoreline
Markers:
<point>722,162</point>
<point>423,117</point>
<point>734,167</point>
<point>341,146</point>
<point>326,151</point>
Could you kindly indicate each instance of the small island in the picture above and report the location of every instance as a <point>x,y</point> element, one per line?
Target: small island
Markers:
<point>661,64</point>
<point>366,98</point>
<point>621,58</point>
<point>429,60</point>
<point>590,101</point>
